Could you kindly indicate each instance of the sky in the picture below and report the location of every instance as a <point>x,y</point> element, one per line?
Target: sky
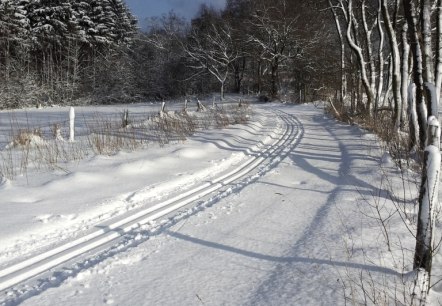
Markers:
<point>143,9</point>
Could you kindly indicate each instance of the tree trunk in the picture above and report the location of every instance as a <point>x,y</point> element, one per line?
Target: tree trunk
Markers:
<point>381,61</point>
<point>369,48</point>
<point>411,107</point>
<point>421,108</point>
<point>428,200</point>
<point>238,71</point>
<point>361,60</point>
<point>438,73</point>
<point>274,78</point>
<point>343,91</point>
<point>428,72</point>
<point>396,81</point>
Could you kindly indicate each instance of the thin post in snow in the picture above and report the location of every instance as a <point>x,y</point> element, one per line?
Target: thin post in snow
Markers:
<point>125,118</point>
<point>71,124</point>
<point>163,109</point>
<point>200,106</point>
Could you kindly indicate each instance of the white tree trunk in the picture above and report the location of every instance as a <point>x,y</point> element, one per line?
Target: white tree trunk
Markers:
<point>426,37</point>
<point>369,48</point>
<point>381,60</point>
<point>360,56</point>
<point>405,67</point>
<point>341,39</point>
<point>421,107</point>
<point>396,80</point>
<point>428,200</point>
<point>439,50</point>
<point>412,111</point>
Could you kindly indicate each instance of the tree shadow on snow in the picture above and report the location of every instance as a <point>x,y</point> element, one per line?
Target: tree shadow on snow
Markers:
<point>282,259</point>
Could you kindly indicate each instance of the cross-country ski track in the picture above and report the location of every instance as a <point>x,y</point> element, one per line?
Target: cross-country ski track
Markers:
<point>282,227</point>
<point>256,165</point>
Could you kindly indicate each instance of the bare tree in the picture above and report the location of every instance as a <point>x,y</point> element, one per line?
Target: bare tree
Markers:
<point>343,91</point>
<point>396,62</point>
<point>352,30</point>
<point>427,96</point>
<point>212,50</point>
<point>275,35</point>
<point>421,107</point>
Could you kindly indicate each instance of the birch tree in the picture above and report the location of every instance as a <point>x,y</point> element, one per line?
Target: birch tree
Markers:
<point>343,91</point>
<point>421,107</point>
<point>427,96</point>
<point>362,61</point>
<point>396,62</point>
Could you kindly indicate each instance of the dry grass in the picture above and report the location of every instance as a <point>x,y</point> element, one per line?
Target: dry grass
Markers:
<point>392,217</point>
<point>107,135</point>
<point>395,143</point>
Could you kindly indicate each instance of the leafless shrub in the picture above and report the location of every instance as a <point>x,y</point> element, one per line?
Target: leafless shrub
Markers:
<point>107,135</point>
<point>170,128</point>
<point>7,166</point>
<point>26,137</point>
<point>385,280</point>
<point>221,118</point>
<point>395,142</point>
<point>190,124</point>
<point>56,131</point>
<point>390,218</point>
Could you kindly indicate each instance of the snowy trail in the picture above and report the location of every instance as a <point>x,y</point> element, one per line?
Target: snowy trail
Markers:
<point>46,209</point>
<point>284,228</point>
<point>49,259</point>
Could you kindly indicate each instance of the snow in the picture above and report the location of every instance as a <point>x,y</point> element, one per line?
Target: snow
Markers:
<point>288,217</point>
<point>430,201</point>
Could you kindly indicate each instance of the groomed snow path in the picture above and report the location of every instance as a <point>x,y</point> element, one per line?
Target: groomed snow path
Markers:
<point>271,237</point>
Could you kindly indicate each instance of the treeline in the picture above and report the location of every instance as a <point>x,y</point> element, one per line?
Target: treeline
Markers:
<point>361,52</point>
<point>391,61</point>
<point>391,74</point>
<point>91,51</point>
<point>52,51</point>
<point>278,48</point>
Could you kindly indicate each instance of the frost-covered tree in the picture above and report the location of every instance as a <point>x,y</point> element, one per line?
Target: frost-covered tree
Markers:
<point>275,37</point>
<point>396,63</point>
<point>161,68</point>
<point>14,33</point>
<point>51,44</point>
<point>210,47</point>
<point>427,95</point>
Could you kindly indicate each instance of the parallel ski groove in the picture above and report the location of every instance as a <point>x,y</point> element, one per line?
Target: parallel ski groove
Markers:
<point>38,264</point>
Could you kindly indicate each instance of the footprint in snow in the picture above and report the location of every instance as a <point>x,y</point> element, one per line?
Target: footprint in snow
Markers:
<point>299,183</point>
<point>108,299</point>
<point>44,218</point>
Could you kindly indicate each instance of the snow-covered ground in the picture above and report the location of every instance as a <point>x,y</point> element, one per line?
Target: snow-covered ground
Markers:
<point>292,208</point>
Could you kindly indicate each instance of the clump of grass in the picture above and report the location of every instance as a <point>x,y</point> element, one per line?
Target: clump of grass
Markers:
<point>221,118</point>
<point>26,137</point>
<point>107,135</point>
